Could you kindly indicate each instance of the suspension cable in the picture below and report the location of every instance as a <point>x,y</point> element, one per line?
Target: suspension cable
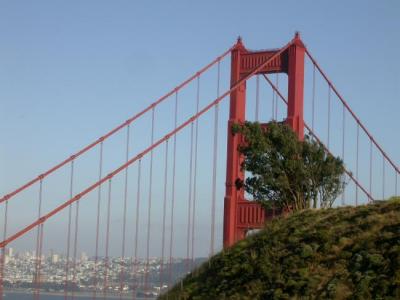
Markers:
<point>3,250</point>
<point>329,115</point>
<point>137,229</point>
<point>39,262</point>
<point>313,100</point>
<point>75,245</point>
<point>96,257</point>
<point>38,233</point>
<point>370,168</point>
<point>106,259</point>
<point>276,96</point>
<point>357,159</point>
<point>343,146</point>
<point>273,103</point>
<point>189,197</point>
<point>164,216</point>
<point>67,262</point>
<point>124,215</point>
<point>171,240</point>
<point>195,170</point>
<point>149,208</point>
<point>116,171</point>
<point>351,112</point>
<point>383,177</point>
<point>319,141</point>
<point>118,128</point>
<point>257,97</point>
<point>214,176</point>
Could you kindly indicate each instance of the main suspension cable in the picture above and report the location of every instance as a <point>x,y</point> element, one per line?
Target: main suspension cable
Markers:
<point>319,141</point>
<point>351,112</point>
<point>116,129</point>
<point>116,171</point>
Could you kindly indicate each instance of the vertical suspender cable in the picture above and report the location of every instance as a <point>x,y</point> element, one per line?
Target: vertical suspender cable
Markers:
<point>395,182</point>
<point>383,177</point>
<point>370,170</point>
<point>357,159</point>
<point>276,96</point>
<point>37,279</point>
<point>273,104</point>
<point>171,238</point>
<point>343,144</point>
<point>195,169</point>
<point>190,197</point>
<point>149,208</point>
<point>106,259</point>
<point>329,115</point>
<point>40,250</point>
<point>3,250</point>
<point>67,260</point>
<point>257,97</point>
<point>75,245</point>
<point>96,257</point>
<point>121,276</point>
<point>313,101</point>
<point>214,176</point>
<point>135,262</point>
<point>164,215</point>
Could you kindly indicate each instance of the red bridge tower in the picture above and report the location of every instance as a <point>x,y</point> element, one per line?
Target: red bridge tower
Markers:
<point>241,215</point>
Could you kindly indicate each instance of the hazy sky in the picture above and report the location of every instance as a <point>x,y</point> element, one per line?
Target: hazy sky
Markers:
<point>71,70</point>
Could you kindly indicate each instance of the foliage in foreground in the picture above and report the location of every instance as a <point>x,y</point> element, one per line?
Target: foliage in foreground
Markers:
<point>340,253</point>
<point>285,172</point>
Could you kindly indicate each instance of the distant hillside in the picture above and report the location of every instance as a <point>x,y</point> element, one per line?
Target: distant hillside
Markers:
<point>341,253</point>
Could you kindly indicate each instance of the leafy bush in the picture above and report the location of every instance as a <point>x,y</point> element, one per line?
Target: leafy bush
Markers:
<point>285,172</point>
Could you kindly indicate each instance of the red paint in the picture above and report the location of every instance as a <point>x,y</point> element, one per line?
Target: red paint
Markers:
<point>241,215</point>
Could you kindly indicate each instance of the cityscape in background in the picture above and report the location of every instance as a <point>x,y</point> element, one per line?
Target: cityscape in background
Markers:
<point>86,275</point>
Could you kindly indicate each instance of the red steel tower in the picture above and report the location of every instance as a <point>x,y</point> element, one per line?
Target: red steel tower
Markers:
<point>241,215</point>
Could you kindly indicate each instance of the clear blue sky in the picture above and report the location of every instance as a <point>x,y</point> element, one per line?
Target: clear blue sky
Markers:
<point>71,70</point>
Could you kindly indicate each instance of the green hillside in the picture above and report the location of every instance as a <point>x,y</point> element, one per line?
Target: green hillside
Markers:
<point>340,253</point>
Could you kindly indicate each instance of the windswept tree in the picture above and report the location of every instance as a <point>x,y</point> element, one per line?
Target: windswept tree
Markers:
<point>285,172</point>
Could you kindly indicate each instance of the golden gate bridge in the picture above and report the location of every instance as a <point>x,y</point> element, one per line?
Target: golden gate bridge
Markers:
<point>171,159</point>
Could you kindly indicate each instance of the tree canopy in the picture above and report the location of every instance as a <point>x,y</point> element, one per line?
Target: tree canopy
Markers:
<point>285,172</point>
